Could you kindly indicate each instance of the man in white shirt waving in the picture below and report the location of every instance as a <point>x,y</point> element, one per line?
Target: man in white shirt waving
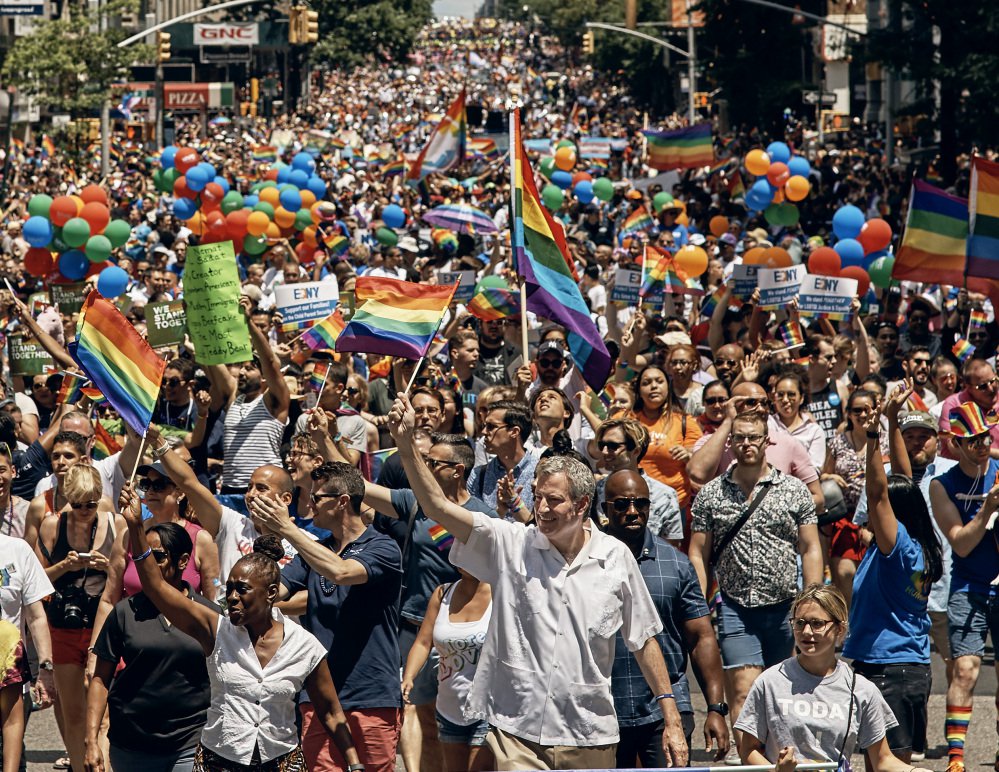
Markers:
<point>561,591</point>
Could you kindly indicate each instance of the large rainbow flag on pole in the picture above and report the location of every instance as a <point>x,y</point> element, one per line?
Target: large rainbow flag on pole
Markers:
<point>934,240</point>
<point>394,317</point>
<point>542,259</point>
<point>118,361</point>
<point>983,219</point>
<point>446,146</point>
<point>688,148</point>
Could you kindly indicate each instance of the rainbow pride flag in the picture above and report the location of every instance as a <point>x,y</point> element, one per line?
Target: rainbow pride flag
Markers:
<point>317,378</point>
<point>687,148</point>
<point>983,220</point>
<point>118,361</point>
<point>336,243</point>
<point>978,318</point>
<point>655,269</point>
<point>446,146</point>
<point>94,395</point>
<point>962,349</point>
<point>71,390</point>
<point>104,443</point>
<point>324,333</point>
<point>494,303</point>
<point>48,146</point>
<point>637,221</point>
<point>394,317</point>
<point>790,333</point>
<point>710,303</point>
<point>441,537</point>
<point>736,187</point>
<point>264,153</point>
<point>935,237</point>
<point>394,168</point>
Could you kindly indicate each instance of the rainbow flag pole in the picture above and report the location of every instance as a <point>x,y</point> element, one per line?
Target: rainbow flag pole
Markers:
<point>437,329</point>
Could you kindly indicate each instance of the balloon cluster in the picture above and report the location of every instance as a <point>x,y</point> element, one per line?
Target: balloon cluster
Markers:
<point>782,180</point>
<point>283,205</point>
<point>71,239</point>
<point>558,170</point>
<point>860,251</point>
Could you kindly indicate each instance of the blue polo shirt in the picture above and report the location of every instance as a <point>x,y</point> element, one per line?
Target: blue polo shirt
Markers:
<point>359,624</point>
<point>677,596</point>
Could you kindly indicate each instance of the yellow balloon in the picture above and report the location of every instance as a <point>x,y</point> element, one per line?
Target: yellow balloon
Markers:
<point>757,162</point>
<point>797,188</point>
<point>691,260</point>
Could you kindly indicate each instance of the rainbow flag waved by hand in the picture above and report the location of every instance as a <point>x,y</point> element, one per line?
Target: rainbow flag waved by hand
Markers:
<point>336,243</point>
<point>915,402</point>
<point>978,318</point>
<point>104,444</point>
<point>71,390</point>
<point>317,378</point>
<point>655,269</point>
<point>636,222</point>
<point>324,334</point>
<point>94,395</point>
<point>686,148</point>
<point>790,333</point>
<point>118,361</point>
<point>394,168</point>
<point>264,154</point>
<point>962,349</point>
<point>983,223</point>
<point>493,303</point>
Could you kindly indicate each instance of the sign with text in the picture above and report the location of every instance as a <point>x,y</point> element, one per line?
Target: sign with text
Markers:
<point>828,296</point>
<point>215,320</point>
<point>166,323</point>
<point>27,357</point>
<point>779,286</point>
<point>305,302</point>
<point>627,283</point>
<point>68,298</point>
<point>229,33</point>
<point>466,289</point>
<point>744,281</point>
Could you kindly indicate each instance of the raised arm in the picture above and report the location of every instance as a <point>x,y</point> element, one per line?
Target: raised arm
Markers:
<point>205,505</point>
<point>897,455</point>
<point>277,398</point>
<point>862,365</point>
<point>47,342</point>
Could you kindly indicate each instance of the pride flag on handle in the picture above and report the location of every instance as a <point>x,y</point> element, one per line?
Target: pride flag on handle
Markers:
<point>394,317</point>
<point>118,361</point>
<point>324,333</point>
<point>446,146</point>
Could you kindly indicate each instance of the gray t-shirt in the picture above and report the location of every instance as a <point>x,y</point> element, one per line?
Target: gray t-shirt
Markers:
<point>789,706</point>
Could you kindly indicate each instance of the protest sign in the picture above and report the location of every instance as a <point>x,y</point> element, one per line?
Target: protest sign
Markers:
<point>466,287</point>
<point>166,323</point>
<point>827,296</point>
<point>779,286</point>
<point>214,318</point>
<point>26,355</point>
<point>304,303</point>
<point>627,283</point>
<point>744,281</point>
<point>68,298</point>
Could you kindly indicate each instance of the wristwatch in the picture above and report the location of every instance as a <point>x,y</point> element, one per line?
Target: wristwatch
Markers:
<point>720,708</point>
<point>46,665</point>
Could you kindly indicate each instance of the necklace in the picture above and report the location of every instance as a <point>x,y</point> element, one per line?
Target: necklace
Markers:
<point>187,413</point>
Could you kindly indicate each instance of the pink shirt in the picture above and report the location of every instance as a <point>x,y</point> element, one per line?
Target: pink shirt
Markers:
<point>949,404</point>
<point>784,452</point>
<point>130,581</point>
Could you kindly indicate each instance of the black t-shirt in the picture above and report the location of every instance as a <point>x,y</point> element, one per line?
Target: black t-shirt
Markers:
<point>392,474</point>
<point>159,702</point>
<point>32,467</point>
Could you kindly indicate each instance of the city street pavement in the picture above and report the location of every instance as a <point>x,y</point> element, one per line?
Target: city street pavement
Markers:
<point>44,745</point>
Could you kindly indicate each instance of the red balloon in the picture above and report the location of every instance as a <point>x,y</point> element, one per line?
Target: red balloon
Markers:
<point>94,194</point>
<point>858,273</point>
<point>825,261</point>
<point>180,189</point>
<point>186,158</point>
<point>875,235</point>
<point>212,195</point>
<point>304,253</point>
<point>236,221</point>
<point>271,174</point>
<point>97,216</point>
<point>778,174</point>
<point>63,210</point>
<point>38,261</point>
<point>579,177</point>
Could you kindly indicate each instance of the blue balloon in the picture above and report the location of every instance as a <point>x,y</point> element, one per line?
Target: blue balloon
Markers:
<point>112,281</point>
<point>847,222</point>
<point>73,264</point>
<point>184,208</point>
<point>223,183</point>
<point>393,216</point>
<point>868,259</point>
<point>584,191</point>
<point>850,251</point>
<point>760,195</point>
<point>317,187</point>
<point>778,151</point>
<point>250,201</point>
<point>167,156</point>
<point>37,231</point>
<point>291,200</point>
<point>298,178</point>
<point>196,178</point>
<point>562,179</point>
<point>799,166</point>
<point>208,169</point>
<point>304,162</point>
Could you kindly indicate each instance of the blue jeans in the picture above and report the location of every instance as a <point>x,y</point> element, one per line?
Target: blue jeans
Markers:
<point>757,637</point>
<point>971,618</point>
<point>130,761</point>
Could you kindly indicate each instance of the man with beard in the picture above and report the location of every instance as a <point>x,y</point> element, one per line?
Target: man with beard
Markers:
<point>917,331</point>
<point>495,354</point>
<point>917,369</point>
<point>728,363</point>
<point>825,398</point>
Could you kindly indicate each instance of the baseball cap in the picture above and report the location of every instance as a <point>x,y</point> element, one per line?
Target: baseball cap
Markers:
<point>728,238</point>
<point>917,419</point>
<point>551,345</point>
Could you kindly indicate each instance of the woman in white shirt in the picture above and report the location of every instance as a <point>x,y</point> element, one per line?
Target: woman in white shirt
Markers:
<point>257,662</point>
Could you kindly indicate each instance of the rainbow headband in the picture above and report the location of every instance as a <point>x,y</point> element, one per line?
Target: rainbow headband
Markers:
<point>968,420</point>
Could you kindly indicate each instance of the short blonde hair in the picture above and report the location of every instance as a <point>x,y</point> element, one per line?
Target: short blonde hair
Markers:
<point>826,597</point>
<point>82,483</point>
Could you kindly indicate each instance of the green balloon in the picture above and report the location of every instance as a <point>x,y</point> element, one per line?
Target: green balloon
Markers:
<point>661,200</point>
<point>386,237</point>
<point>603,189</point>
<point>491,282</point>
<point>232,201</point>
<point>98,249</point>
<point>552,197</point>
<point>254,245</point>
<point>39,205</point>
<point>158,179</point>
<point>255,187</point>
<point>263,206</point>
<point>772,214</point>
<point>58,244</point>
<point>789,214</point>
<point>565,143</point>
<point>547,167</point>
<point>880,271</point>
<point>76,232</point>
<point>170,176</point>
<point>303,219</point>
<point>268,184</point>
<point>118,232</point>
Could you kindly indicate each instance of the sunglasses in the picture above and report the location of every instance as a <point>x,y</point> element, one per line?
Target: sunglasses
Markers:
<point>160,556</point>
<point>726,362</point>
<point>352,391</point>
<point>549,363</point>
<point>716,400</point>
<point>173,383</point>
<point>435,463</point>
<point>611,446</point>
<point>981,441</point>
<point>752,402</point>
<point>83,505</point>
<point>160,484</point>
<point>986,385</point>
<point>622,505</point>
<point>317,498</point>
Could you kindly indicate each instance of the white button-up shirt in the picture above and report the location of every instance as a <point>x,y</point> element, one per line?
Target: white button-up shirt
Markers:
<point>256,705</point>
<point>545,669</point>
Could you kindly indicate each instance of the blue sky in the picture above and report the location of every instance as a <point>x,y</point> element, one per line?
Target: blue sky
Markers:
<point>464,8</point>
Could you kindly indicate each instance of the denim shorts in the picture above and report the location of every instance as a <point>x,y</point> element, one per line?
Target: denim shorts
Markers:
<point>971,618</point>
<point>473,735</point>
<point>121,759</point>
<point>754,637</point>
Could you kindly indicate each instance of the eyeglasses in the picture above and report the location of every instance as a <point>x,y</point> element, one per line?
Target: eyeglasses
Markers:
<point>681,363</point>
<point>160,556</point>
<point>172,382</point>
<point>981,441</point>
<point>920,362</point>
<point>742,439</point>
<point>160,484</point>
<point>715,400</point>
<point>753,402</point>
<point>489,428</point>
<point>549,364</point>
<point>827,357</point>
<point>986,385</point>
<point>726,362</point>
<point>83,505</point>
<point>816,625</point>
<point>787,394</point>
<point>622,504</point>
<point>434,463</point>
<point>613,447</point>
<point>317,498</point>
<point>427,410</point>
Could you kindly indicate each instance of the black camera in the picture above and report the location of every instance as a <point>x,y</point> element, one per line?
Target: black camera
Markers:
<point>72,609</point>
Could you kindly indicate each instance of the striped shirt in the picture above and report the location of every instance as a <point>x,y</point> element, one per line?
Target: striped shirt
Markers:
<point>252,439</point>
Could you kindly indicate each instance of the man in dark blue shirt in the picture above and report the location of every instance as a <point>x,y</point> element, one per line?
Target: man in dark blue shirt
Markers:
<point>353,579</point>
<point>676,593</point>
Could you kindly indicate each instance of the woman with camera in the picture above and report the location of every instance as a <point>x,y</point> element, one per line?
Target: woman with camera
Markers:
<point>75,549</point>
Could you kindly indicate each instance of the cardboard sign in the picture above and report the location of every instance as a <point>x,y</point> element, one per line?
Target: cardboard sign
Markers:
<point>466,288</point>
<point>68,298</point>
<point>215,320</point>
<point>627,283</point>
<point>305,302</point>
<point>166,323</point>
<point>779,286</point>
<point>744,281</point>
<point>26,355</point>
<point>828,296</point>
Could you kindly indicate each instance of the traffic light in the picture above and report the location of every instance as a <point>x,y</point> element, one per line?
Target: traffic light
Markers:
<point>295,24</point>
<point>310,27</point>
<point>162,46</point>
<point>589,43</point>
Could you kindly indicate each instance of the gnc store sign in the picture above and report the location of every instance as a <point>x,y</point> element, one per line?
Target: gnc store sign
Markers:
<point>227,34</point>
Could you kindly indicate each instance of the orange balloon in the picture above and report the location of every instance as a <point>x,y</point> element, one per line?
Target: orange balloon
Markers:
<point>718,225</point>
<point>308,198</point>
<point>236,222</point>
<point>256,223</point>
<point>565,158</point>
<point>97,216</point>
<point>777,257</point>
<point>197,224</point>
<point>682,219</point>
<point>757,162</point>
<point>755,256</point>
<point>94,194</point>
<point>797,188</point>
<point>63,210</point>
<point>691,260</point>
<point>778,196</point>
<point>273,231</point>
<point>314,211</point>
<point>284,218</point>
<point>309,236</point>
<point>271,196</point>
